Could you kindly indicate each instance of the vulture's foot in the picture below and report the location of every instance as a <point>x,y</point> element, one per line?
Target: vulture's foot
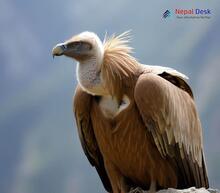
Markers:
<point>137,190</point>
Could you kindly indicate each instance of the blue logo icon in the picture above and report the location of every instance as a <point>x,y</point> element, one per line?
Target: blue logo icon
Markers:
<point>166,14</point>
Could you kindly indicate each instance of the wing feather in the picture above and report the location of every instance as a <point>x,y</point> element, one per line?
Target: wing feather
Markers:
<point>81,105</point>
<point>169,113</point>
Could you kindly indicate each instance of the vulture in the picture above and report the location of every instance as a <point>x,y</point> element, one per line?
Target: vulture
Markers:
<point>138,124</point>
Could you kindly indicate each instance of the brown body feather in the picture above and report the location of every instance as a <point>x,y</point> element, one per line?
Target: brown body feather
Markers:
<point>158,137</point>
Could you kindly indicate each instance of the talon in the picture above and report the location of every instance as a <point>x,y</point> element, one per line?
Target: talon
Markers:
<point>136,190</point>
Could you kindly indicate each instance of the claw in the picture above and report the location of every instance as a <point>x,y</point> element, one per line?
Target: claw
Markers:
<point>136,190</point>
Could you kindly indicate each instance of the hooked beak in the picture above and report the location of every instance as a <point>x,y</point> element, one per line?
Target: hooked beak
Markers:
<point>59,49</point>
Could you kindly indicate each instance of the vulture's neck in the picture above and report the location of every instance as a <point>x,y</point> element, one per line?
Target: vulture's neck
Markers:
<point>89,76</point>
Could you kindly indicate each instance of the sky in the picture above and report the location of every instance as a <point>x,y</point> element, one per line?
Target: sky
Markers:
<point>39,145</point>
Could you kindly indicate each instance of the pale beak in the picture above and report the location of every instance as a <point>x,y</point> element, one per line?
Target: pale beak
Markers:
<point>59,49</point>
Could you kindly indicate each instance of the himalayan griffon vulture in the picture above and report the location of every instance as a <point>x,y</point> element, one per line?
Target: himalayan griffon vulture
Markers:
<point>138,124</point>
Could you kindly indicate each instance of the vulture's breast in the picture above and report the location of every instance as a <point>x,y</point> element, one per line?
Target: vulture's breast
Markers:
<point>122,136</point>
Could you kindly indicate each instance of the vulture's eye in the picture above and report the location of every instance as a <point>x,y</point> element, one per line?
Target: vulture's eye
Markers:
<point>80,46</point>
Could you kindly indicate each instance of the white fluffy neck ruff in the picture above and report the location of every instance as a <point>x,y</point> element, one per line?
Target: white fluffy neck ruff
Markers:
<point>88,71</point>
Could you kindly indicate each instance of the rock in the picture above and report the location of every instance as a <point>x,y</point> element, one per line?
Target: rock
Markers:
<point>213,190</point>
<point>189,190</point>
<point>172,190</point>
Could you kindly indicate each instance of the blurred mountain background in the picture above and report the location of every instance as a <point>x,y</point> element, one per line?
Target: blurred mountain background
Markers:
<point>39,147</point>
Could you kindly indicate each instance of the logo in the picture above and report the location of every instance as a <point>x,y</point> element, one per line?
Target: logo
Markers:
<point>192,13</point>
<point>166,14</point>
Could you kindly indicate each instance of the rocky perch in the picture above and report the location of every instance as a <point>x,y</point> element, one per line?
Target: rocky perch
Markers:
<point>190,190</point>
<point>172,190</point>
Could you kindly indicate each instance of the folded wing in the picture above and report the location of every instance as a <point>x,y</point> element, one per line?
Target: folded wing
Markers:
<point>169,114</point>
<point>82,105</point>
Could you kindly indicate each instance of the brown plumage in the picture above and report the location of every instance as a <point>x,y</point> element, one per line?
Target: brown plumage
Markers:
<point>144,130</point>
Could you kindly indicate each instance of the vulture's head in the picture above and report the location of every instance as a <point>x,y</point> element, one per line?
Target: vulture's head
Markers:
<point>98,60</point>
<point>82,47</point>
